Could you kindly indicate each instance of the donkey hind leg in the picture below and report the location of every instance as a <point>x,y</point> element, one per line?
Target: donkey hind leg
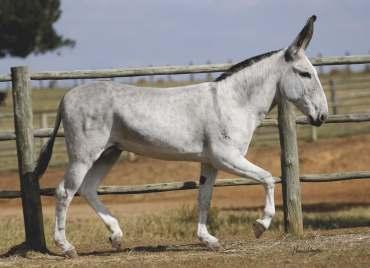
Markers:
<point>89,187</point>
<point>237,164</point>
<point>64,193</point>
<point>207,178</point>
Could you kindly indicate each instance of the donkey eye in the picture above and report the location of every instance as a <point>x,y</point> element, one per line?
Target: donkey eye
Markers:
<point>305,74</point>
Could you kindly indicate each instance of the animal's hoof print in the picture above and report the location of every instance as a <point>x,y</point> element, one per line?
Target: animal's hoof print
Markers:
<point>258,229</point>
<point>116,243</point>
<point>71,253</point>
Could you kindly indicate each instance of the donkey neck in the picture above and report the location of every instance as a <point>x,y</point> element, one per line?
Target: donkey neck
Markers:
<point>254,87</point>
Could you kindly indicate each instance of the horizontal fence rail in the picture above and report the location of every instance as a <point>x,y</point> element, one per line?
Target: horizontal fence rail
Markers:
<point>164,70</point>
<point>190,185</point>
<point>339,118</point>
<point>301,120</point>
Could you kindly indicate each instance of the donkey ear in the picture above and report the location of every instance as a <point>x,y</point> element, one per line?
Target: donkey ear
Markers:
<point>302,40</point>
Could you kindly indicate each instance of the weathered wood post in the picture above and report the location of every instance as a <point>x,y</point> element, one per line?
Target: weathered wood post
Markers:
<point>293,221</point>
<point>31,202</point>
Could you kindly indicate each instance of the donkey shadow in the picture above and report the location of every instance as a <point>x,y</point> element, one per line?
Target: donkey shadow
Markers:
<point>192,247</point>
<point>22,251</point>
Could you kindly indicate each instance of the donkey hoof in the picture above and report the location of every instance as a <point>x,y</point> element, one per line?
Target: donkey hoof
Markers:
<point>258,229</point>
<point>71,253</point>
<point>116,242</point>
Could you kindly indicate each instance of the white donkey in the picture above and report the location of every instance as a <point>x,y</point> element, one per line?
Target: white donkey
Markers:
<point>211,123</point>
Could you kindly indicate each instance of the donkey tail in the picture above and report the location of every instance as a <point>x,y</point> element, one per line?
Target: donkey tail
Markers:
<point>47,149</point>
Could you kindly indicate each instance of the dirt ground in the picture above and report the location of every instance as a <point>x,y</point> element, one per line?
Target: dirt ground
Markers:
<point>339,248</point>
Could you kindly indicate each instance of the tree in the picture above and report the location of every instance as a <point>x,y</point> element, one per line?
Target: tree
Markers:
<point>27,27</point>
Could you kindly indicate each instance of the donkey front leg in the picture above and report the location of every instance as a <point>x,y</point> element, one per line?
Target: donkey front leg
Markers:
<point>236,163</point>
<point>207,178</point>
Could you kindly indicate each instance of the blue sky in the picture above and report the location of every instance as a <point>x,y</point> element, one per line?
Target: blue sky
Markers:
<point>121,33</point>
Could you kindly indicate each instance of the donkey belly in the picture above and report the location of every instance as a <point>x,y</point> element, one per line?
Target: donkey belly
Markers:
<point>158,143</point>
<point>162,152</point>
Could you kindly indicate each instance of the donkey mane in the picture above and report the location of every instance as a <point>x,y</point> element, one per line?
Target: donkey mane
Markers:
<point>243,64</point>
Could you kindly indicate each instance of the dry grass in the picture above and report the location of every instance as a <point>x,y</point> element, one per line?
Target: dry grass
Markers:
<point>349,250</point>
<point>168,240</point>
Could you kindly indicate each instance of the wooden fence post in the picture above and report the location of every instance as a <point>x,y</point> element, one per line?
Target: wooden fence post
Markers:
<point>293,221</point>
<point>31,202</point>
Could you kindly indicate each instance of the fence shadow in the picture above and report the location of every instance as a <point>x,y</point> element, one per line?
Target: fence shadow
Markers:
<point>21,250</point>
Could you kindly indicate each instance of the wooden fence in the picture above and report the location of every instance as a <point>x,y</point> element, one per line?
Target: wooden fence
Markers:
<point>346,93</point>
<point>24,135</point>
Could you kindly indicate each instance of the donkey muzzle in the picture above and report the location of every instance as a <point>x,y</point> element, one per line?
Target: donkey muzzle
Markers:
<point>321,118</point>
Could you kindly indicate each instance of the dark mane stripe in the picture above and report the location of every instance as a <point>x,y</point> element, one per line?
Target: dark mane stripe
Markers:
<point>243,64</point>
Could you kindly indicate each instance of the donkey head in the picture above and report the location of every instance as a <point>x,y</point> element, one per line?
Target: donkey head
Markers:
<point>300,83</point>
